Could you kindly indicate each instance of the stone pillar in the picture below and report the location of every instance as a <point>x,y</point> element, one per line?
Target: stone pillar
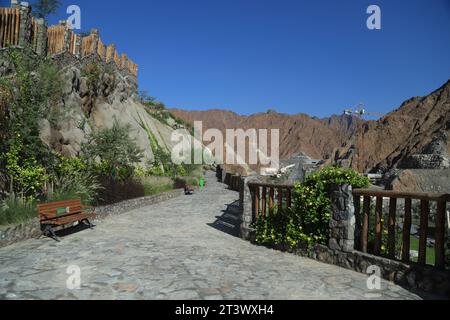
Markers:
<point>247,231</point>
<point>342,221</point>
<point>25,24</point>
<point>247,214</point>
<point>41,43</point>
<point>224,174</point>
<point>241,192</point>
<point>219,173</point>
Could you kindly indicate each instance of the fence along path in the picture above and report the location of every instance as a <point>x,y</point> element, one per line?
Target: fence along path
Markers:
<point>266,197</point>
<point>425,200</point>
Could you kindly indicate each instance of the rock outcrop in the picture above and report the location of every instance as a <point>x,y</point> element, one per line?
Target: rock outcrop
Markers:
<point>415,136</point>
<point>94,95</point>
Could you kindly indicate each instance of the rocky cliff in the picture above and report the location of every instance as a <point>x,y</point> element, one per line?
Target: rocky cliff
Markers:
<point>94,95</point>
<point>415,136</point>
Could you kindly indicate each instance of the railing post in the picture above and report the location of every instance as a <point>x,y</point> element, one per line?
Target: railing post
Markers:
<point>342,221</point>
<point>247,211</point>
<point>365,224</point>
<point>440,235</point>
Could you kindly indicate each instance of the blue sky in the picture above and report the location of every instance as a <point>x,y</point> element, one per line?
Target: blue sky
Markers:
<point>300,56</point>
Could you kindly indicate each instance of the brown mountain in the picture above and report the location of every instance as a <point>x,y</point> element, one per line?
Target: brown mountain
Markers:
<point>317,138</point>
<point>413,136</point>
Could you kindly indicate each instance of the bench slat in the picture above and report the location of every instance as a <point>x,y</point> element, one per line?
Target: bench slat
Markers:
<point>54,213</point>
<point>46,206</point>
<point>69,219</point>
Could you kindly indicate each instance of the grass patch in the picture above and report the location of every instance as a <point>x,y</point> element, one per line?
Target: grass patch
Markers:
<point>430,252</point>
<point>16,210</point>
<point>155,185</point>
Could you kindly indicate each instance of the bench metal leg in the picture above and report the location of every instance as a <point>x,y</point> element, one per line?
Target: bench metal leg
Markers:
<point>49,232</point>
<point>88,223</point>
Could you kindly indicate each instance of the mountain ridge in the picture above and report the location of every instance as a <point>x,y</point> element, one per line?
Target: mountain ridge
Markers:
<point>384,144</point>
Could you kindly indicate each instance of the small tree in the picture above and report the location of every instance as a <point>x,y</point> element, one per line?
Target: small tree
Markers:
<point>43,8</point>
<point>114,150</point>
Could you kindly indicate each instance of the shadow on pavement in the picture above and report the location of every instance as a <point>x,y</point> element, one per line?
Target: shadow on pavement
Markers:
<point>230,220</point>
<point>61,234</point>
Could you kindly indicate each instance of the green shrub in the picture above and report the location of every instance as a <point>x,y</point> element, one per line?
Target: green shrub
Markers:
<point>92,72</point>
<point>32,92</point>
<point>15,209</point>
<point>112,152</point>
<point>306,222</point>
<point>271,228</point>
<point>27,175</point>
<point>156,185</point>
<point>82,186</point>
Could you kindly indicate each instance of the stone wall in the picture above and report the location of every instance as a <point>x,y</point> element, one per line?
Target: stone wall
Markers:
<point>32,229</point>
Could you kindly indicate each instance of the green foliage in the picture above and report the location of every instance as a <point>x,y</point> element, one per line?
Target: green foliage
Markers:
<point>271,228</point>
<point>92,72</point>
<point>112,152</point>
<point>43,8</point>
<point>26,176</point>
<point>162,116</point>
<point>162,164</point>
<point>145,98</point>
<point>31,93</point>
<point>328,176</point>
<point>82,186</point>
<point>384,238</point>
<point>156,185</point>
<point>17,209</point>
<point>307,221</point>
<point>73,179</point>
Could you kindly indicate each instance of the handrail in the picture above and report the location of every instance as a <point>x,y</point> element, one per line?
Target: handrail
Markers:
<point>402,195</point>
<point>271,185</point>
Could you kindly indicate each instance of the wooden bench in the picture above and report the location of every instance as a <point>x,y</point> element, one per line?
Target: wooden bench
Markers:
<point>62,213</point>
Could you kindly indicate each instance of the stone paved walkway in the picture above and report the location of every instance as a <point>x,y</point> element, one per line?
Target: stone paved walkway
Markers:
<point>174,250</point>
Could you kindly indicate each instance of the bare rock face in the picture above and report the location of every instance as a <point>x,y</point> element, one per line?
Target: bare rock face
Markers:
<point>422,180</point>
<point>415,136</point>
<point>317,138</point>
<point>87,106</point>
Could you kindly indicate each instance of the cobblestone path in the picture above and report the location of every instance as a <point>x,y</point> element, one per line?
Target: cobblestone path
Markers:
<point>184,248</point>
